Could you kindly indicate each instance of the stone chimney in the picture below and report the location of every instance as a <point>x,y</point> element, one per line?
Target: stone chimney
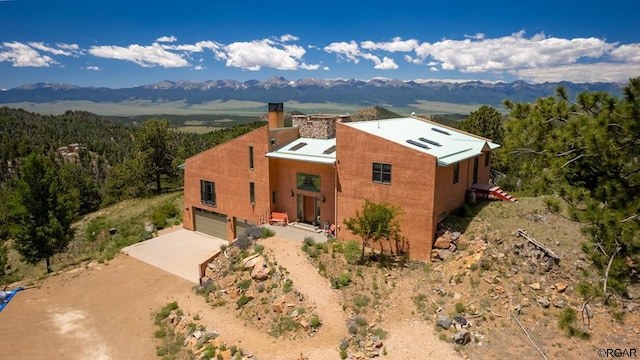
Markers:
<point>318,126</point>
<point>276,115</point>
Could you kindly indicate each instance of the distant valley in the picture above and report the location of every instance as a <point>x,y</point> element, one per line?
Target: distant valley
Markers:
<point>305,95</point>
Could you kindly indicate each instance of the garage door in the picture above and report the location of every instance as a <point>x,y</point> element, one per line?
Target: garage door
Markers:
<point>241,226</point>
<point>211,223</point>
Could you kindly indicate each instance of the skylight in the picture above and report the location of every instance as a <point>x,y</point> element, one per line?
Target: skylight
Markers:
<point>413,142</point>
<point>430,141</point>
<point>297,146</point>
<point>440,131</point>
<point>330,150</point>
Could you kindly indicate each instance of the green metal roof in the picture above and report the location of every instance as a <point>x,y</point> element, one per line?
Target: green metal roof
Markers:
<point>307,149</point>
<point>447,145</point>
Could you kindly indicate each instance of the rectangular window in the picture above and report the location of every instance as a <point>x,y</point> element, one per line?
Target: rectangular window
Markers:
<point>252,192</point>
<point>208,192</point>
<point>250,157</point>
<point>308,182</point>
<point>381,173</point>
<point>487,157</point>
<point>273,197</point>
<point>456,172</point>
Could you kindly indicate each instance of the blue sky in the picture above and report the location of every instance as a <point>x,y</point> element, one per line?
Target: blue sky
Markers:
<point>128,43</point>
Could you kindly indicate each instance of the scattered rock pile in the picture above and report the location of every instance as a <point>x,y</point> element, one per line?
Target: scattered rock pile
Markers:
<point>262,293</point>
<point>202,342</point>
<point>446,244</point>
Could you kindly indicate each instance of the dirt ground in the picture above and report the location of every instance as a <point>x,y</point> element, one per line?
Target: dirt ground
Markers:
<point>106,311</point>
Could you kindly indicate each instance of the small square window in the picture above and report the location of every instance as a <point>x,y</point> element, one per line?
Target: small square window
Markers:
<point>381,173</point>
<point>208,192</point>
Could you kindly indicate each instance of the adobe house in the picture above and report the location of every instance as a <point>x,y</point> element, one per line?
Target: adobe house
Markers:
<point>323,167</point>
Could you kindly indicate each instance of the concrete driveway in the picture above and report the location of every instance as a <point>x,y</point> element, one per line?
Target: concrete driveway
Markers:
<point>179,252</point>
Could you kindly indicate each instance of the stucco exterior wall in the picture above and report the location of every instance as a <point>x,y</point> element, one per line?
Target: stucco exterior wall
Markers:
<point>283,180</point>
<point>413,176</point>
<point>227,165</point>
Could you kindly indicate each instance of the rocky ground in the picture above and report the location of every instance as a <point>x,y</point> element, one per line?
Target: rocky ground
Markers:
<point>488,287</point>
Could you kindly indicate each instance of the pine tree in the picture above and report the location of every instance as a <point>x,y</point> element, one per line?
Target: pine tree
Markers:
<point>587,152</point>
<point>41,211</point>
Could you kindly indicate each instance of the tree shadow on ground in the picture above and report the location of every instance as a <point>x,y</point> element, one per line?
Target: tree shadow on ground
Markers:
<point>460,218</point>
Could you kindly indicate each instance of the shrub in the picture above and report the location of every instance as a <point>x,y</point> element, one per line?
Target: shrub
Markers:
<point>352,252</point>
<point>284,325</point>
<point>288,285</point>
<point>253,232</point>
<point>267,233</point>
<point>566,322</point>
<point>160,333</point>
<point>379,332</point>
<point>244,284</point>
<point>259,248</point>
<point>361,300</point>
<point>243,300</point>
<point>242,242</point>
<point>343,280</point>
<point>166,310</point>
<point>315,322</point>
<point>309,242</point>
<point>161,214</point>
<point>460,308</point>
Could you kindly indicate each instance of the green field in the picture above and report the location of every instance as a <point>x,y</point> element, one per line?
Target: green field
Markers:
<point>235,108</point>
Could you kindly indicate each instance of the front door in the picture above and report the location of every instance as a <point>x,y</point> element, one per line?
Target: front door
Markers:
<point>309,209</point>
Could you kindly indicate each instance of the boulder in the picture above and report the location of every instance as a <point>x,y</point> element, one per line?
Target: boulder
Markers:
<point>561,287</point>
<point>251,261</point>
<point>535,286</point>
<point>279,305</point>
<point>260,270</point>
<point>544,302</point>
<point>462,337</point>
<point>559,303</point>
<point>444,322</point>
<point>441,243</point>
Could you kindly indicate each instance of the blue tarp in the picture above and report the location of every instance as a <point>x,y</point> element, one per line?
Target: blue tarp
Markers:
<point>6,296</point>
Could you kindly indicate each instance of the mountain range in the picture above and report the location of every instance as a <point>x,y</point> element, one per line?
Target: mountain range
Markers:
<point>383,92</point>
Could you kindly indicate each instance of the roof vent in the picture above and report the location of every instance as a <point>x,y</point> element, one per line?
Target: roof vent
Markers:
<point>297,146</point>
<point>440,131</point>
<point>330,150</point>
<point>429,141</point>
<point>413,142</point>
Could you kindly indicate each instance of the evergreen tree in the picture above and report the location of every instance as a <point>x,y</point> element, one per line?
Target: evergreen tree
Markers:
<point>41,211</point>
<point>485,122</point>
<point>154,147</point>
<point>586,152</point>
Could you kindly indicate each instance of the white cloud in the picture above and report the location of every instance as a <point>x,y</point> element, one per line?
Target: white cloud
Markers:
<point>200,46</point>
<point>582,73</point>
<point>397,45</point>
<point>22,55</point>
<point>630,52</point>
<point>65,49</point>
<point>309,67</point>
<point>345,50</point>
<point>255,55</point>
<point>166,39</point>
<point>146,56</point>
<point>93,68</point>
<point>351,52</point>
<point>288,37</point>
<point>512,52</point>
